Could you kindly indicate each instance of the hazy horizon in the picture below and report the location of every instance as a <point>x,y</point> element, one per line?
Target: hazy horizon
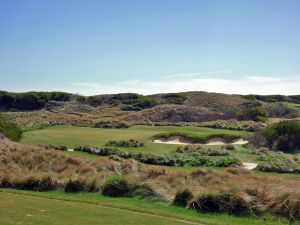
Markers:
<point>103,47</point>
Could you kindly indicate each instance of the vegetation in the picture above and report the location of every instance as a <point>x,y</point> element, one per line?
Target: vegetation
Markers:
<point>274,98</point>
<point>20,162</point>
<point>230,125</point>
<point>9,129</point>
<point>278,162</point>
<point>203,150</point>
<point>115,186</point>
<point>81,136</point>
<point>171,159</point>
<point>92,208</point>
<point>253,112</point>
<point>135,108</point>
<point>194,138</point>
<point>30,100</point>
<point>182,198</point>
<point>131,143</point>
<point>232,203</point>
<point>283,136</point>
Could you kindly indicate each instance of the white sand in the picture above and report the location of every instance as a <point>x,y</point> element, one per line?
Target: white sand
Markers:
<point>249,166</point>
<point>177,140</point>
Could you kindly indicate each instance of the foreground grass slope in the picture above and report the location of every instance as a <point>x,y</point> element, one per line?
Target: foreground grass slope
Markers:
<point>76,136</point>
<point>26,207</point>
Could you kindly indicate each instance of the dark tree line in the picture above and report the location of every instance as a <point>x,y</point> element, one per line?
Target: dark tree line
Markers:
<point>29,100</point>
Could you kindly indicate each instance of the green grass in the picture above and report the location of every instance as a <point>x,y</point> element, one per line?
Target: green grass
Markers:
<point>76,136</point>
<point>26,207</point>
<point>294,106</point>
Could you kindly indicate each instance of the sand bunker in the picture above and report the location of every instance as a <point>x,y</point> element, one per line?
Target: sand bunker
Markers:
<point>178,140</point>
<point>249,166</point>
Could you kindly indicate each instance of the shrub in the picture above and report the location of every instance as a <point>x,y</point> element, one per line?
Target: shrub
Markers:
<point>110,124</point>
<point>115,186</point>
<point>125,143</point>
<point>202,150</point>
<point>34,183</point>
<point>253,112</point>
<point>232,203</point>
<point>74,186</point>
<point>230,147</point>
<point>144,191</point>
<point>30,100</point>
<point>283,136</point>
<point>9,129</point>
<point>182,198</point>
<point>170,159</point>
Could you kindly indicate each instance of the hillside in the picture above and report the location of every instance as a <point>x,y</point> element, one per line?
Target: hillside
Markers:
<point>172,107</point>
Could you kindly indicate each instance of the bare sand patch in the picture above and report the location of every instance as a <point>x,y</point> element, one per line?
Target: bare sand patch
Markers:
<point>178,140</point>
<point>249,166</point>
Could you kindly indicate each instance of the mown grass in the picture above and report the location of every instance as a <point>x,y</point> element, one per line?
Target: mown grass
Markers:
<point>77,136</point>
<point>55,207</point>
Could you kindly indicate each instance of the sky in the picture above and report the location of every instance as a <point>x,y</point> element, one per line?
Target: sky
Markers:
<point>115,46</point>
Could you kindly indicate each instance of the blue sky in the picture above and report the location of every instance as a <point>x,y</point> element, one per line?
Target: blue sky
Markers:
<point>112,46</point>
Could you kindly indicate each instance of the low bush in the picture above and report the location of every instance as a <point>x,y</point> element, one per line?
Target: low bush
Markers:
<point>125,143</point>
<point>229,147</point>
<point>110,124</point>
<point>202,150</point>
<point>115,186</point>
<point>171,159</point>
<point>182,198</point>
<point>278,162</point>
<point>232,203</point>
<point>144,191</point>
<point>199,139</point>
<point>253,111</point>
<point>231,125</point>
<point>75,186</point>
<point>30,182</point>
<point>56,147</point>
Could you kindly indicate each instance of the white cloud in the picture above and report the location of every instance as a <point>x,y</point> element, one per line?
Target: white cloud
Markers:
<point>286,85</point>
<point>201,74</point>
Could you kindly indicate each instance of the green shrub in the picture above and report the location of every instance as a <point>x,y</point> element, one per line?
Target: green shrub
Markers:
<point>198,139</point>
<point>115,186</point>
<point>144,191</point>
<point>74,186</point>
<point>9,129</point>
<point>230,147</point>
<point>170,159</point>
<point>253,112</point>
<point>182,198</point>
<point>203,150</point>
<point>284,136</point>
<point>125,143</point>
